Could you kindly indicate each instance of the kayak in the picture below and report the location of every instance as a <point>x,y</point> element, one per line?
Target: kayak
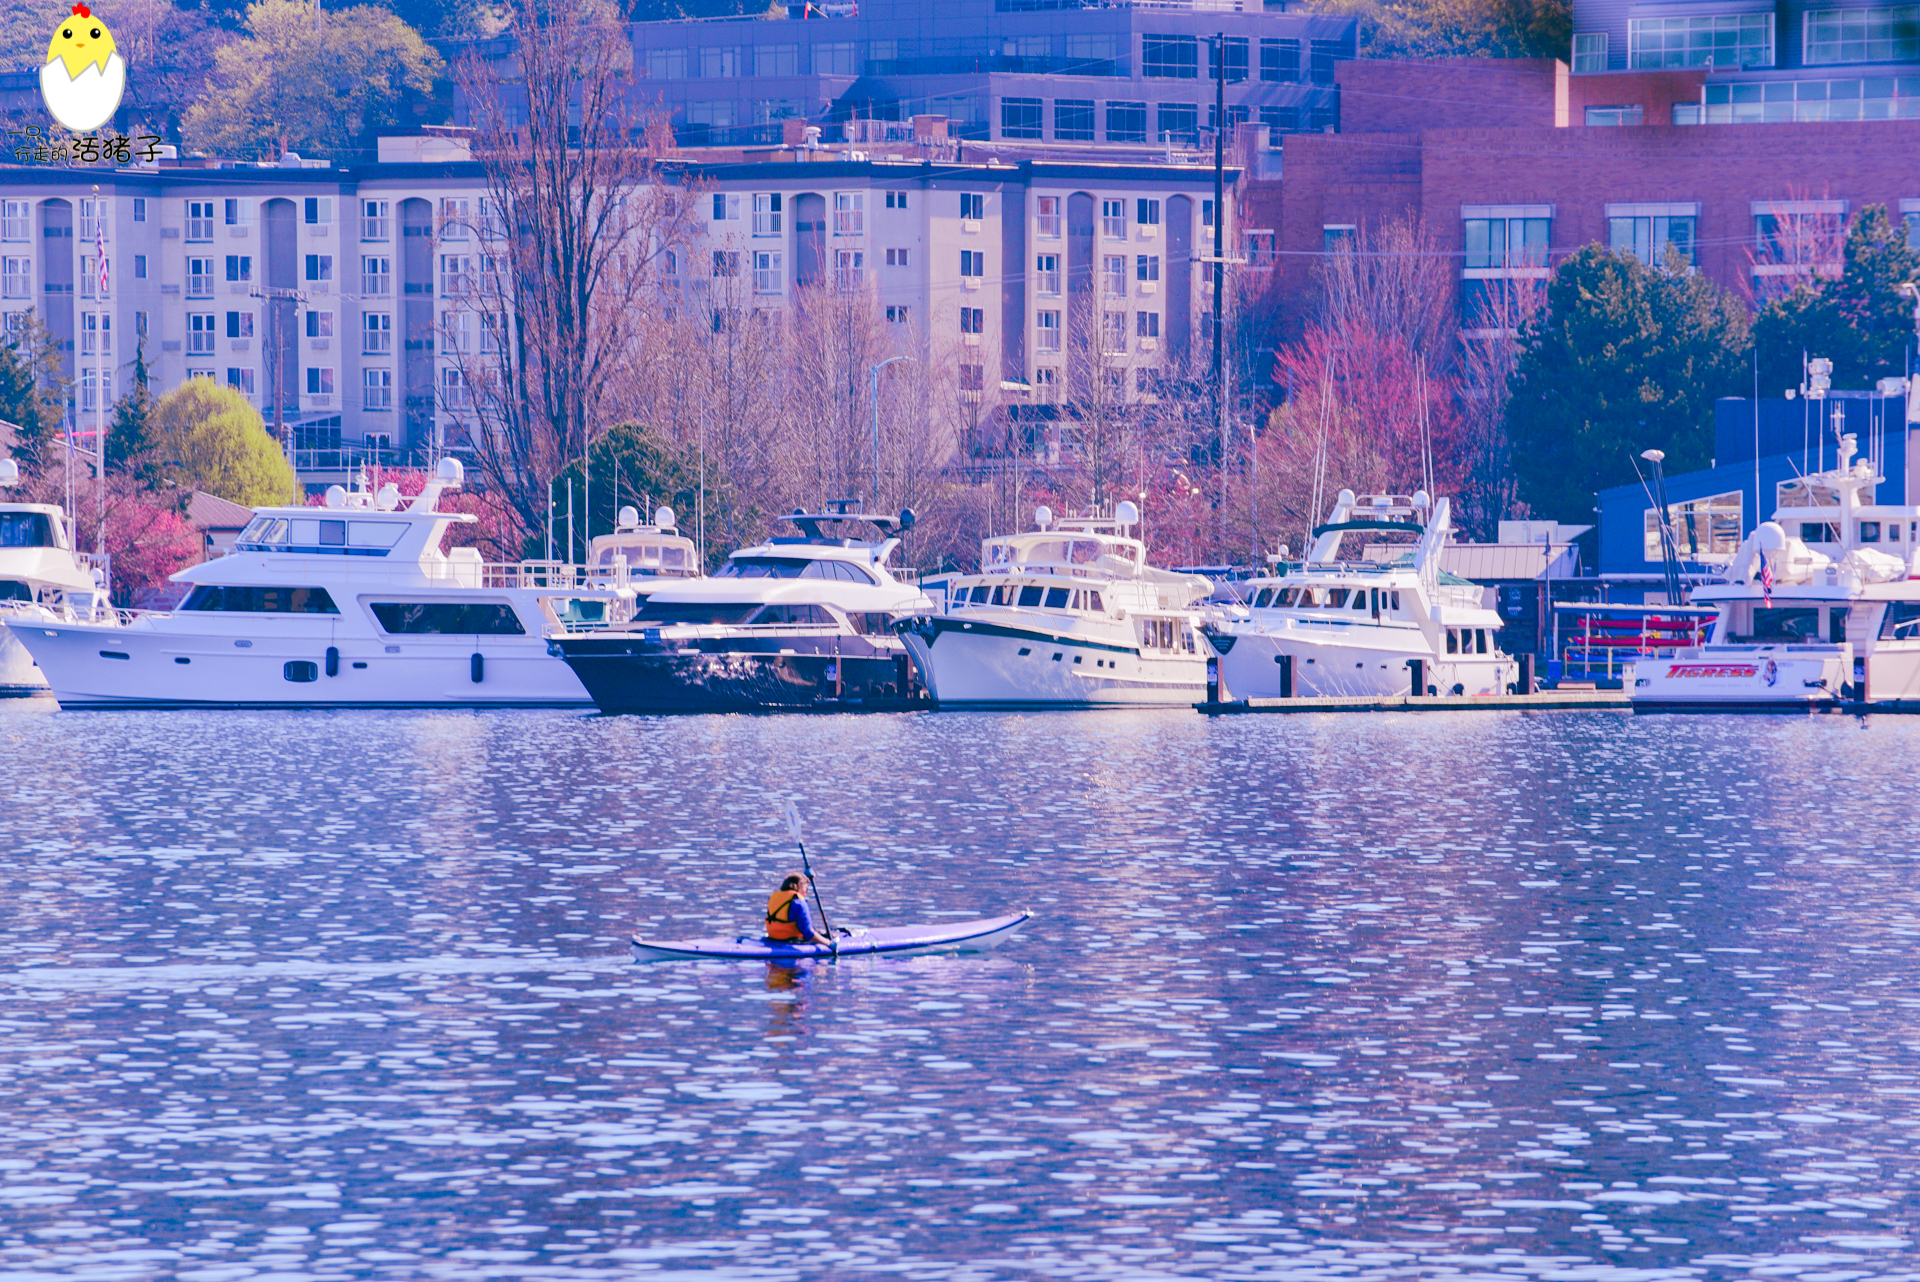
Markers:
<point>896,941</point>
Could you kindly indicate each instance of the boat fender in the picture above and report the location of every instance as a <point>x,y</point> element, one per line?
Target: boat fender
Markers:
<point>477,667</point>
<point>333,661</point>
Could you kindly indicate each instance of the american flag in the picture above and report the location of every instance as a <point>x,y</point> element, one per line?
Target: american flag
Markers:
<point>100,245</point>
<point>1766,582</point>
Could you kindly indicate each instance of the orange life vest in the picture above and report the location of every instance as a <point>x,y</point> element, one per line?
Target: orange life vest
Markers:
<point>780,925</point>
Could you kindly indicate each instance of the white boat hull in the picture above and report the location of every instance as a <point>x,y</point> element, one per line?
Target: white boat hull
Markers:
<point>18,672</point>
<point>1353,661</point>
<point>1741,677</point>
<point>982,665</point>
<point>163,668</point>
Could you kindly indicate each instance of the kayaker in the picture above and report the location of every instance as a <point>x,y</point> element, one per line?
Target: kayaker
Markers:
<point>788,921</point>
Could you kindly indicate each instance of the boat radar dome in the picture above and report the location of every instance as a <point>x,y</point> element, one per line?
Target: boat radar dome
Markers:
<point>628,518</point>
<point>1127,513</point>
<point>451,470</point>
<point>663,517</point>
<point>9,472</point>
<point>1344,497</point>
<point>388,498</point>
<point>1043,516</point>
<point>1771,537</point>
<point>1422,500</point>
<point>336,496</point>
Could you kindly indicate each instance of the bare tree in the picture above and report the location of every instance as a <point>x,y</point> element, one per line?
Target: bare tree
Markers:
<point>578,216</point>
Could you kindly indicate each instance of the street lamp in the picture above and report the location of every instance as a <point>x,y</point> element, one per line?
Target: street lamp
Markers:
<point>874,397</point>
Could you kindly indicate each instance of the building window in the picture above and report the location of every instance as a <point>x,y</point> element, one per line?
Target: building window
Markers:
<point>1146,268</point>
<point>1912,219</point>
<point>319,267</point>
<point>1714,40</point>
<point>376,276</point>
<point>896,200</point>
<point>1280,60</point>
<point>93,218</point>
<point>236,213</point>
<point>1590,53</point>
<point>1280,120</point>
<point>139,209</point>
<point>726,208</point>
<point>666,64</point>
<point>1126,122</point>
<point>897,315</point>
<point>1178,122</point>
<point>240,379</point>
<point>1148,212</point>
<point>318,211</point>
<point>1259,248</point>
<point>1046,215</point>
<point>1863,35</point>
<point>377,389</point>
<point>836,59</point>
<point>96,334</point>
<point>1321,55</point>
<point>1599,116</point>
<point>1046,274</point>
<point>973,320</point>
<point>767,278</point>
<point>454,393</point>
<point>200,333</point>
<point>239,324</point>
<point>456,332</point>
<point>139,324</point>
<point>374,222</point>
<point>1796,241</point>
<point>1113,274</point>
<point>766,214</point>
<point>16,277</point>
<point>849,269</point>
<point>1235,57</point>
<point>1113,333</point>
<point>90,379</point>
<point>973,262</point>
<point>1338,236</point>
<point>1046,382</point>
<point>726,264</point>
<point>319,324</point>
<point>849,213</point>
<point>376,333</point>
<point>1701,527</point>
<point>1647,234</point>
<point>1170,57</point>
<point>1073,120</point>
<point>199,278</point>
<point>1020,118</point>
<point>1113,219</point>
<point>319,380</point>
<point>239,268</point>
<point>139,266</point>
<point>199,220</point>
<point>1146,324</point>
<point>973,206</point>
<point>896,258</point>
<point>1047,325</point>
<point>1507,242</point>
<point>16,217</point>
<point>973,378</point>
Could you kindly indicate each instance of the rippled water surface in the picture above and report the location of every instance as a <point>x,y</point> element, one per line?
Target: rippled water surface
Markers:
<point>346,995</point>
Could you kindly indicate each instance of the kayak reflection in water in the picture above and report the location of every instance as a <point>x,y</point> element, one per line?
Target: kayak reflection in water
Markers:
<point>788,920</point>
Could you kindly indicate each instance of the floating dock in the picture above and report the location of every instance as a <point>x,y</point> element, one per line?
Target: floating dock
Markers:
<point>1542,701</point>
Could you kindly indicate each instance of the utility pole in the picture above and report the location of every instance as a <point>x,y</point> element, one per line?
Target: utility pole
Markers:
<point>1219,264</point>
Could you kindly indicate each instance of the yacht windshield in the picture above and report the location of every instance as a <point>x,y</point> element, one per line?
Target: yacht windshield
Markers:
<point>25,530</point>
<point>728,613</point>
<point>646,557</point>
<point>764,567</point>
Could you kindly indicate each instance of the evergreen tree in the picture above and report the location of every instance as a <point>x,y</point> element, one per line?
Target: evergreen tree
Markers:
<point>632,466</point>
<point>130,444</point>
<point>1861,322</point>
<point>33,389</point>
<point>1624,357</point>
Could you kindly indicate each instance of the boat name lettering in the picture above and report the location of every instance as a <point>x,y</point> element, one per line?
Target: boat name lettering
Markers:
<point>1713,670</point>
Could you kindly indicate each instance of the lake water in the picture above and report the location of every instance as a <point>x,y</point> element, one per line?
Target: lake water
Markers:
<point>1566,995</point>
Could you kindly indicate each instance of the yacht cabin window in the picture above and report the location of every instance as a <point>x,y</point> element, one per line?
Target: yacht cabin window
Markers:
<point>804,614</point>
<point>235,599</point>
<point>1030,595</point>
<point>1869,531</point>
<point>1336,597</point>
<point>1360,599</point>
<point>1819,532</point>
<point>724,613</point>
<point>458,618</point>
<point>646,557</point>
<point>1453,641</point>
<point>1901,622</point>
<point>26,530</point>
<point>1057,598</point>
<point>793,567</point>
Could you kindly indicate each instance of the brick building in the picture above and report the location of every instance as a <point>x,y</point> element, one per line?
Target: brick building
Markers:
<point>1513,165</point>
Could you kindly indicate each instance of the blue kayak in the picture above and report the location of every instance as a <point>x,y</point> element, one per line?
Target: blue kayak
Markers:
<point>958,936</point>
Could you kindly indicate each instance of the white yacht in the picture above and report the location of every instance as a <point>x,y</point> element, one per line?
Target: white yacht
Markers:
<point>1070,615</point>
<point>353,604</point>
<point>633,562</point>
<point>1355,627</point>
<point>1821,605</point>
<point>800,622</point>
<point>41,577</point>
